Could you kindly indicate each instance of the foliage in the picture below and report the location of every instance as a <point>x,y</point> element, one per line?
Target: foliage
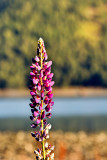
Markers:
<point>75,33</point>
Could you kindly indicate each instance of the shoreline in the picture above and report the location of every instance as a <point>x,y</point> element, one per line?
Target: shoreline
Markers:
<point>58,92</point>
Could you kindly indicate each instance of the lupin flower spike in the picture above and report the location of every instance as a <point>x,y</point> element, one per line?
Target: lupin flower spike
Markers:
<point>41,101</point>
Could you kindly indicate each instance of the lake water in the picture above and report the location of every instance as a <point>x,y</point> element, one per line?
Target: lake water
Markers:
<point>63,107</point>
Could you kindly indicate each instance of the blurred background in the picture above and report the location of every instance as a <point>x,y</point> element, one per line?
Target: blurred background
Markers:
<point>75,36</point>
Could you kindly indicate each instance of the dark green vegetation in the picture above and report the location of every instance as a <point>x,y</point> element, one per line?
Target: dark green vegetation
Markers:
<point>75,35</point>
<point>75,123</point>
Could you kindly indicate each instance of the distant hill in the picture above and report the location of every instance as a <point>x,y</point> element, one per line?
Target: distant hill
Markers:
<point>75,35</point>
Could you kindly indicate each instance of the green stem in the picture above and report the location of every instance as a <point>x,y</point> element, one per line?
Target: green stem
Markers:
<point>43,145</point>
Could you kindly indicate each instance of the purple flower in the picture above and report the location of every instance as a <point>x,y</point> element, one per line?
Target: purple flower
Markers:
<point>32,93</point>
<point>47,64</point>
<point>35,80</point>
<point>51,102</point>
<point>40,107</point>
<point>43,115</point>
<point>46,100</point>
<point>48,108</point>
<point>42,93</point>
<point>33,125</point>
<point>37,59</point>
<point>38,119</point>
<point>39,87</point>
<point>32,118</point>
<point>49,88</point>
<point>49,115</point>
<point>37,99</point>
<point>49,94</point>
<point>41,101</point>
<point>44,121</point>
<point>50,75</point>
<point>32,74</point>
<point>36,113</point>
<point>33,67</point>
<point>31,105</point>
<point>33,134</point>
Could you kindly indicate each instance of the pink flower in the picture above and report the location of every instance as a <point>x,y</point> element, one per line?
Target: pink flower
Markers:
<point>41,101</point>
<point>42,93</point>
<point>50,75</point>
<point>48,64</point>
<point>49,94</point>
<point>37,59</point>
<point>49,115</point>
<point>39,86</point>
<point>35,80</point>
<point>40,107</point>
<point>37,99</point>
<point>51,83</point>
<point>38,120</point>
<point>48,108</point>
<point>32,74</point>
<point>35,113</point>
<point>32,93</point>
<point>46,100</point>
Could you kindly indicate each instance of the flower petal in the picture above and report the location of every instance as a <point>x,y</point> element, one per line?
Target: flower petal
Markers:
<point>33,67</point>
<point>43,115</point>
<point>38,120</point>
<point>51,103</point>
<point>45,55</point>
<point>49,63</point>
<point>50,95</point>
<point>37,99</point>
<point>44,121</point>
<point>39,87</point>
<point>52,83</point>
<point>31,105</point>
<point>48,108</point>
<point>49,88</point>
<point>33,125</point>
<point>41,74</point>
<point>32,74</point>
<point>31,118</point>
<point>32,93</point>
<point>46,100</point>
<point>35,113</point>
<point>37,59</point>
<point>48,115</point>
<point>42,93</point>
<point>33,60</point>
<point>50,75</point>
<point>33,134</point>
<point>48,126</point>
<point>40,107</point>
<point>35,80</point>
